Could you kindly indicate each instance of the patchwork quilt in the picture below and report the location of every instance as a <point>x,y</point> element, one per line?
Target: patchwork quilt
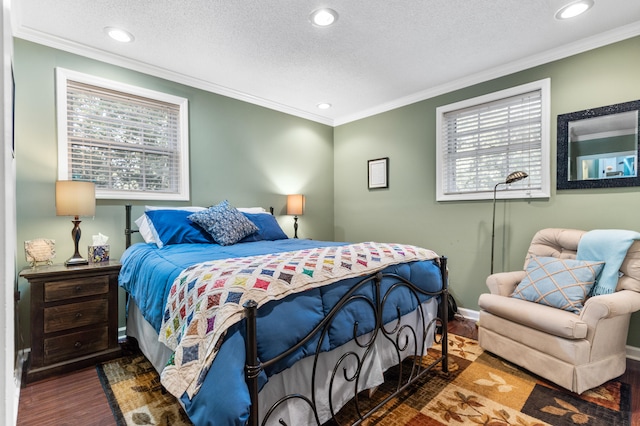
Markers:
<point>207,298</point>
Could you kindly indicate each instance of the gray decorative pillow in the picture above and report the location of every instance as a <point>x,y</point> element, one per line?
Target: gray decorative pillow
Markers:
<point>225,223</point>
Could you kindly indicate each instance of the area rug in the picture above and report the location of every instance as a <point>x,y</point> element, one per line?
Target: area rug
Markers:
<point>480,389</point>
<point>135,394</point>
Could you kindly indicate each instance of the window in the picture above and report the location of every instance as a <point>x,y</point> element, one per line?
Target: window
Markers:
<point>480,141</point>
<point>131,142</point>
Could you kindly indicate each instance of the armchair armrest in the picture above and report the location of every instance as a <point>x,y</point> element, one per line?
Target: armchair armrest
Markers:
<point>621,302</point>
<point>503,283</point>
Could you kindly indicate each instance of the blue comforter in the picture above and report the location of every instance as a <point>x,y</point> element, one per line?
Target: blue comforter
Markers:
<point>148,273</point>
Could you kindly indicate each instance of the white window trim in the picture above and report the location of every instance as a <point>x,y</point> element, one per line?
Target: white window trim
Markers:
<point>62,75</point>
<point>545,188</point>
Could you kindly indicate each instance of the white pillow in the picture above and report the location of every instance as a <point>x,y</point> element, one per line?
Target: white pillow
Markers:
<point>252,210</point>
<point>185,208</point>
<point>145,227</point>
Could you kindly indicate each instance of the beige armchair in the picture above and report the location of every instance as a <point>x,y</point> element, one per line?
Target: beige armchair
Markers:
<point>576,351</point>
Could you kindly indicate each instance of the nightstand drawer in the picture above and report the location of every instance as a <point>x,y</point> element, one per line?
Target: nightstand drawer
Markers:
<point>63,290</point>
<point>75,344</point>
<point>73,315</point>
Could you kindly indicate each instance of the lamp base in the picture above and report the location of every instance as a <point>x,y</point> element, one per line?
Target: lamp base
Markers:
<point>75,261</point>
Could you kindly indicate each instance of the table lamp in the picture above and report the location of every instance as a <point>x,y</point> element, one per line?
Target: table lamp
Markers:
<point>295,207</point>
<point>75,198</point>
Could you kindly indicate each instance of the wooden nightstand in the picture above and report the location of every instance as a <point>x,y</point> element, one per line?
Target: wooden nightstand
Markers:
<point>74,317</point>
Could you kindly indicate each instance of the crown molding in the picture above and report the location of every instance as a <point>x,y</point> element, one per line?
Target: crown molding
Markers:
<point>145,68</point>
<point>580,46</point>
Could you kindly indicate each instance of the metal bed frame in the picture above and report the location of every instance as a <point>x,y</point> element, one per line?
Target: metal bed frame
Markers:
<point>400,336</point>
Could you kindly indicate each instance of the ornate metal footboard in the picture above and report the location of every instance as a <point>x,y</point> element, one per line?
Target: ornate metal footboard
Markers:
<point>408,343</point>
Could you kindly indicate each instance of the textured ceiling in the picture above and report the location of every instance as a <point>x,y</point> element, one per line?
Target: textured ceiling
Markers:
<point>380,54</point>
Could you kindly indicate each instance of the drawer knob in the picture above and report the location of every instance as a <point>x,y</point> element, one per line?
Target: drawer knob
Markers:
<point>78,288</point>
<point>78,345</point>
<point>78,315</point>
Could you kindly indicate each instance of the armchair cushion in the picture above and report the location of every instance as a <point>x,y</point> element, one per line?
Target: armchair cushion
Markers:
<point>559,283</point>
<point>546,319</point>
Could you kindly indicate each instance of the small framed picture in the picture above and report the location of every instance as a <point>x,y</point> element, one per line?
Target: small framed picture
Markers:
<point>379,173</point>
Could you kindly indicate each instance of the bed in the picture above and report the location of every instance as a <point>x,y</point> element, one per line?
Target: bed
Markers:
<point>297,343</point>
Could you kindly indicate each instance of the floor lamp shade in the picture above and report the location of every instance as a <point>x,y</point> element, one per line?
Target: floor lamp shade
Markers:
<point>75,198</point>
<point>295,207</point>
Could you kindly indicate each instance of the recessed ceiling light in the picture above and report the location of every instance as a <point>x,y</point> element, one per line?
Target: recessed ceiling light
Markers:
<point>324,105</point>
<point>574,9</point>
<point>323,17</point>
<point>119,34</point>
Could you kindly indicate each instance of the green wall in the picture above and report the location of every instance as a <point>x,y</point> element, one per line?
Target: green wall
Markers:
<point>407,212</point>
<point>253,156</point>
<point>250,155</point>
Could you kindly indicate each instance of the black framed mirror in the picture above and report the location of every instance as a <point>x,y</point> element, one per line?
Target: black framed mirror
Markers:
<point>598,148</point>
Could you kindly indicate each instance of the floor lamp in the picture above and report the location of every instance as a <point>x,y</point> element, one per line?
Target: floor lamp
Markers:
<point>512,177</point>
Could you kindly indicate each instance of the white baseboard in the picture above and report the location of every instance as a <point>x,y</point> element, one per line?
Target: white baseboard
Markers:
<point>633,352</point>
<point>122,333</point>
<point>469,314</point>
<point>21,358</point>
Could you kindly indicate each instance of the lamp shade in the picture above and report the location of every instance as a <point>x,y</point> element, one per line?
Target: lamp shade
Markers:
<point>295,204</point>
<point>75,198</point>
<point>515,177</point>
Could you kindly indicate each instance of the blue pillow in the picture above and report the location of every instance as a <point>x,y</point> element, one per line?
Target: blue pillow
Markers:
<point>268,228</point>
<point>224,223</point>
<point>560,283</point>
<point>174,227</point>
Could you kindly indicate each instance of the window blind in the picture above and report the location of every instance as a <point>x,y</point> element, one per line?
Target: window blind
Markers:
<point>122,142</point>
<point>482,144</point>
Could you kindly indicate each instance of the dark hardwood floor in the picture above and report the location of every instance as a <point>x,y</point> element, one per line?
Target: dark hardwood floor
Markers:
<point>78,398</point>
<point>69,400</point>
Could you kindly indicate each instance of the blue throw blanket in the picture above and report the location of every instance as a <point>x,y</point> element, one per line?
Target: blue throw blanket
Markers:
<point>610,246</point>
